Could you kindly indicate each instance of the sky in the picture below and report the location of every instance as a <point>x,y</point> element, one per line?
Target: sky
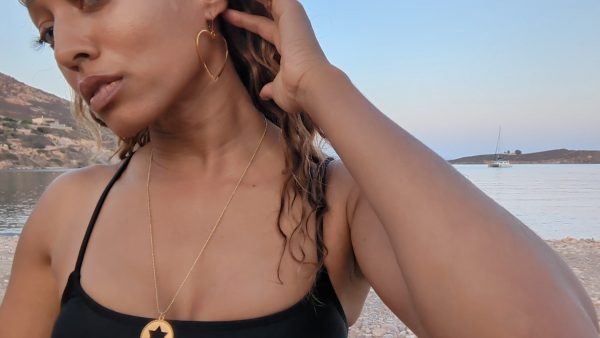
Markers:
<point>449,72</point>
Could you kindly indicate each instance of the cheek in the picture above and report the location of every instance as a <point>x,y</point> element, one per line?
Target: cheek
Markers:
<point>158,60</point>
<point>158,45</point>
<point>158,39</point>
<point>71,78</point>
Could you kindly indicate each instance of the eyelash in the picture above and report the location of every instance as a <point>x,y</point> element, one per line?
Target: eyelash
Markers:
<point>40,41</point>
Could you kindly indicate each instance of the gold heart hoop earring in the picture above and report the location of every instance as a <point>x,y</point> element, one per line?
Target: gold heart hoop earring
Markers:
<point>211,35</point>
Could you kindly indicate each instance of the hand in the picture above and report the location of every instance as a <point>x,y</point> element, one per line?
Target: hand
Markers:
<point>291,33</point>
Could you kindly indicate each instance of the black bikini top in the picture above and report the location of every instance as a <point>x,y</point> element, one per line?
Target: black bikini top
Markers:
<point>82,317</point>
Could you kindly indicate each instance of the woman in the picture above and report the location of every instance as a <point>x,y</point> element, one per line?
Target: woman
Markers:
<point>222,117</point>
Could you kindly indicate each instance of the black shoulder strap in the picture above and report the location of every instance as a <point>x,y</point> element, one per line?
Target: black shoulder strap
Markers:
<point>90,227</point>
<point>322,208</point>
<point>324,292</point>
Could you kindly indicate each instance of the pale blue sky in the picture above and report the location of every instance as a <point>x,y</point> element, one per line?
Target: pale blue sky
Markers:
<point>449,72</point>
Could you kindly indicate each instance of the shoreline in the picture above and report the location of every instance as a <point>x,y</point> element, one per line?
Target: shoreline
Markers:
<point>376,320</point>
<point>60,169</point>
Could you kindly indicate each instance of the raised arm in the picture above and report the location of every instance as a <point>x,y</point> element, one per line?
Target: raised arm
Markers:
<point>470,267</point>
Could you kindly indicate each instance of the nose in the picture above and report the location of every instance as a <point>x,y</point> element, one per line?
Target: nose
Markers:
<point>73,46</point>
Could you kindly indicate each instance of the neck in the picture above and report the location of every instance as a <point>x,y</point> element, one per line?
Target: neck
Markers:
<point>208,135</point>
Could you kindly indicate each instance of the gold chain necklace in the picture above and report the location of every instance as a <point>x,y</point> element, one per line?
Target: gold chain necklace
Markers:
<point>160,327</point>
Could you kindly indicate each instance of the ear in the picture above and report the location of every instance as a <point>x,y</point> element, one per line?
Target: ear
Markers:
<point>213,8</point>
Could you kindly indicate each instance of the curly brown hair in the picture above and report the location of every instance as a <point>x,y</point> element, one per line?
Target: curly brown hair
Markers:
<point>257,62</point>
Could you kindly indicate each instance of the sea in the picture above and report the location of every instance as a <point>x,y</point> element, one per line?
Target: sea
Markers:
<point>554,200</point>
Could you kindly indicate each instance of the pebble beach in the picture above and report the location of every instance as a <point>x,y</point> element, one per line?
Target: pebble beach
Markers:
<point>582,256</point>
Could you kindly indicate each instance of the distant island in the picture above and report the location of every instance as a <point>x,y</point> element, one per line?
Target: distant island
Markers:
<point>557,156</point>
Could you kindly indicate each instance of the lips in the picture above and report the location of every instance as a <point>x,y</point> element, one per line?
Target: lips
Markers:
<point>98,90</point>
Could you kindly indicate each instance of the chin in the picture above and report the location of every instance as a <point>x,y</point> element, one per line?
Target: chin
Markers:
<point>129,115</point>
<point>122,123</point>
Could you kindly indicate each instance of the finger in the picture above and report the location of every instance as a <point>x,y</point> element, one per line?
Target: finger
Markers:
<point>257,24</point>
<point>266,93</point>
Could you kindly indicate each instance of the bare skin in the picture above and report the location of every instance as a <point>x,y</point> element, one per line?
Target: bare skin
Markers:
<point>446,259</point>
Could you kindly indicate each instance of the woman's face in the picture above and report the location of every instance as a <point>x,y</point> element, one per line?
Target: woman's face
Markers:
<point>147,45</point>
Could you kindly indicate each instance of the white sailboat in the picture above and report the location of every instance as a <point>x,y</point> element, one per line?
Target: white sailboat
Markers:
<point>498,161</point>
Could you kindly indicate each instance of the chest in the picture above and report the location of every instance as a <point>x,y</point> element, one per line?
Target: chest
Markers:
<point>246,261</point>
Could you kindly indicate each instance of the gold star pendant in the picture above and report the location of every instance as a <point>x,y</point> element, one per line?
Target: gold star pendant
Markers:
<point>157,328</point>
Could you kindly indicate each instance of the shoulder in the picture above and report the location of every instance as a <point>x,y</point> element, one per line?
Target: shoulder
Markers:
<point>340,193</point>
<point>31,294</point>
<point>347,279</point>
<point>342,189</point>
<point>61,199</point>
<point>71,179</point>
<point>74,186</point>
<point>70,185</point>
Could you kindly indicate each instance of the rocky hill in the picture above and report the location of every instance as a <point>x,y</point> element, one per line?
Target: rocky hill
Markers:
<point>558,156</point>
<point>37,130</point>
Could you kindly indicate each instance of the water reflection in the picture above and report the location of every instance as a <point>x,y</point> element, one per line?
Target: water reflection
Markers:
<point>19,192</point>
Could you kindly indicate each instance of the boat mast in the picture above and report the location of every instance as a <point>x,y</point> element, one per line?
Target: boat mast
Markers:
<point>498,142</point>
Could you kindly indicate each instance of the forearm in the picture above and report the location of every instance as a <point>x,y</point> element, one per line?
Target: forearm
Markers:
<point>443,228</point>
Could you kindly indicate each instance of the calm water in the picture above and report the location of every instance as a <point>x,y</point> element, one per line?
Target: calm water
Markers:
<point>19,192</point>
<point>555,201</point>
